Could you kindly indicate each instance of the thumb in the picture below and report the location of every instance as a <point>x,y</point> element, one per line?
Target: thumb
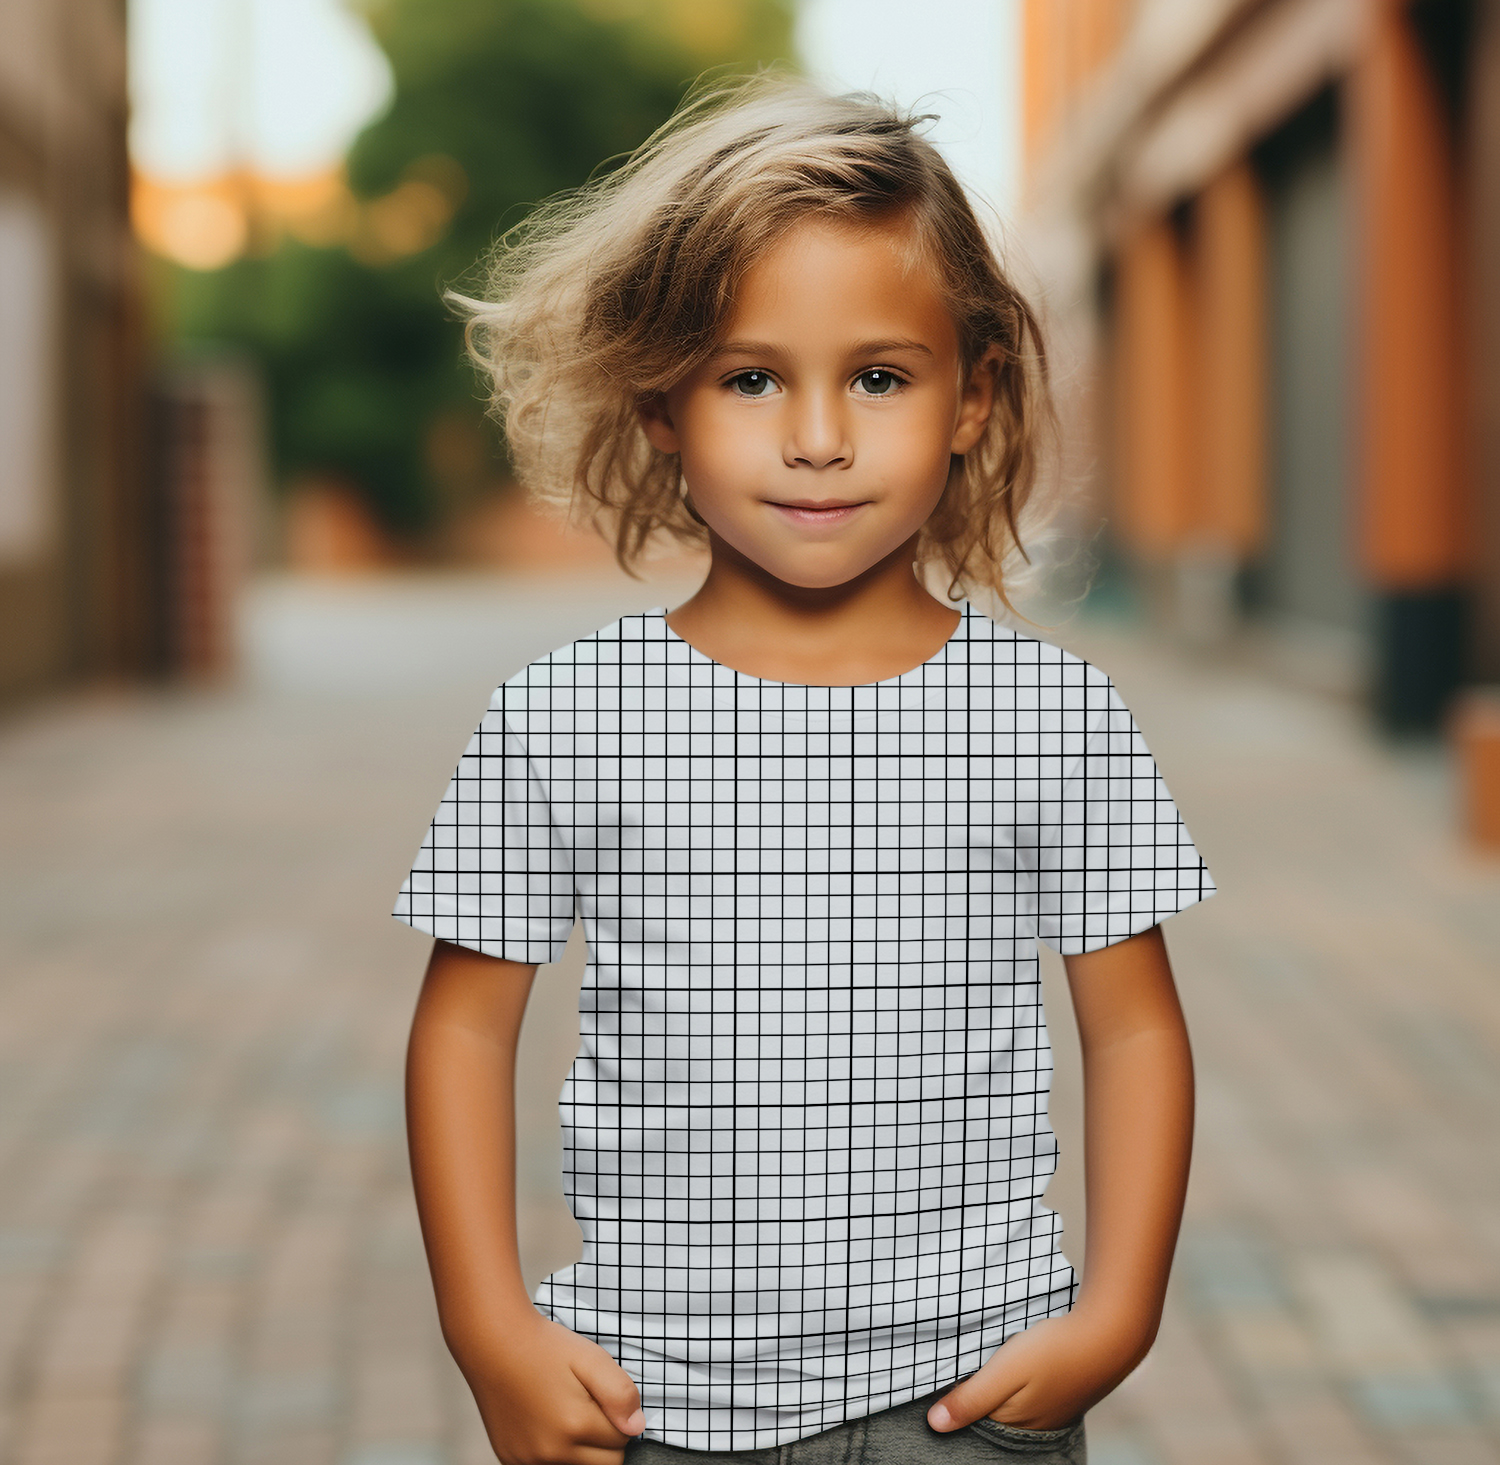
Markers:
<point>979,1394</point>
<point>614,1391</point>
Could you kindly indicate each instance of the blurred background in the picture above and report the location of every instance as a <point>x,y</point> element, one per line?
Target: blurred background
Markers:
<point>262,561</point>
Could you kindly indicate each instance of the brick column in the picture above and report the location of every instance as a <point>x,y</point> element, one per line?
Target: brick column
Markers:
<point>1230,344</point>
<point>1484,329</point>
<point>1414,522</point>
<point>1153,390</point>
<point>1189,401</point>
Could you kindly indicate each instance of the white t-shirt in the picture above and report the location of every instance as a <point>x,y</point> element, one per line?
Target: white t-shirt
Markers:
<point>806,1131</point>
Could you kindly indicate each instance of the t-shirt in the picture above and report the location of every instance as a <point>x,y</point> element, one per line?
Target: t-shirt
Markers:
<point>805,1133</point>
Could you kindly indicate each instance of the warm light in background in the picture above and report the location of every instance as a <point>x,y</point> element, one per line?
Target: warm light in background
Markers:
<point>205,223</point>
<point>241,109</point>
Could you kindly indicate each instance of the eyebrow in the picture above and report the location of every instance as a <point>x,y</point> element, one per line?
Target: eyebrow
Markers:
<point>864,349</point>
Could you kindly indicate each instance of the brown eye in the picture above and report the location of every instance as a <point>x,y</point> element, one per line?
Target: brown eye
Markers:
<point>752,384</point>
<point>879,383</point>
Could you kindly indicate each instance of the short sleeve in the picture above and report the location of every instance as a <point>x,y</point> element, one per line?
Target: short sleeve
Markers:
<point>1114,857</point>
<point>494,872</point>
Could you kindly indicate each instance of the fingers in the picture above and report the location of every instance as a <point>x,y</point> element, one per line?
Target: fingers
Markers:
<point>613,1390</point>
<point>979,1394</point>
<point>589,1433</point>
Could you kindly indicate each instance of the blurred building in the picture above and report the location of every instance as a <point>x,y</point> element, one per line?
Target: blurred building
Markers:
<point>1270,231</point>
<point>123,519</point>
<point>77,571</point>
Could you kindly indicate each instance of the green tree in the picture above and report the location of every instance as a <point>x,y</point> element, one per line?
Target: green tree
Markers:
<point>496,105</point>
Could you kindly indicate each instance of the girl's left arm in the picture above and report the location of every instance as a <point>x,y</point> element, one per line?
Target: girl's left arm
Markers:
<point>1138,1134</point>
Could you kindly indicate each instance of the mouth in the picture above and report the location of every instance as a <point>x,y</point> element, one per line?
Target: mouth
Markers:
<point>809,511</point>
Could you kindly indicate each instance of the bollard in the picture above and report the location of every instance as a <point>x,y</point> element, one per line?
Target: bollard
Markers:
<point>1475,731</point>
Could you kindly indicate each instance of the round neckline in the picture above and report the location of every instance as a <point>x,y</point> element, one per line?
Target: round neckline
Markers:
<point>964,612</point>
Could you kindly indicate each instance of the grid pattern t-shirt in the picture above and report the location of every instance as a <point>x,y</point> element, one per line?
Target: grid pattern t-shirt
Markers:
<point>806,1131</point>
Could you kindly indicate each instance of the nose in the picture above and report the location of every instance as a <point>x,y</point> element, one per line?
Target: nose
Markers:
<point>817,434</point>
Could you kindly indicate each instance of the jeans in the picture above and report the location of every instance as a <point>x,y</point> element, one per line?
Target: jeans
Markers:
<point>899,1436</point>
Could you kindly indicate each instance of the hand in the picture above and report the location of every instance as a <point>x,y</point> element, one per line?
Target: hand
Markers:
<point>1043,1378</point>
<point>550,1397</point>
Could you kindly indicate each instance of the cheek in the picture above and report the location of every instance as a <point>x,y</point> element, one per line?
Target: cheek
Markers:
<point>718,443</point>
<point>917,445</point>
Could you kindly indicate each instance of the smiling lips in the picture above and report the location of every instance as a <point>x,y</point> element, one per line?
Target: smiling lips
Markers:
<point>808,511</point>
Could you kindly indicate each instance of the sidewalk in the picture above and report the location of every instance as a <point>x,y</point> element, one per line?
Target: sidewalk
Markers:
<point>208,1252</point>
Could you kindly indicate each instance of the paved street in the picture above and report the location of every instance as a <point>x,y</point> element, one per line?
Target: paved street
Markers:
<point>208,1251</point>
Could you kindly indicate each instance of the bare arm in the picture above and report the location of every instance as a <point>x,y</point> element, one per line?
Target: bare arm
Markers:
<point>1138,1132</point>
<point>546,1394</point>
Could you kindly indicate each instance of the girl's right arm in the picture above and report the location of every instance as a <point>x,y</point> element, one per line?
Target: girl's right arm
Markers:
<point>546,1394</point>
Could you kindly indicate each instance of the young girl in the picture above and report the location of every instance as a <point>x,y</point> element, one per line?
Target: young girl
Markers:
<point>814,821</point>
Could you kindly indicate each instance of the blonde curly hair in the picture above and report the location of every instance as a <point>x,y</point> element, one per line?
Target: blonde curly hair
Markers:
<point>608,295</point>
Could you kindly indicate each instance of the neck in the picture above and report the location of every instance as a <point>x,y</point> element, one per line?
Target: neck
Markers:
<point>878,625</point>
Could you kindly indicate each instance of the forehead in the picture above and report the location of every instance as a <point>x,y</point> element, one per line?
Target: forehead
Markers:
<point>826,282</point>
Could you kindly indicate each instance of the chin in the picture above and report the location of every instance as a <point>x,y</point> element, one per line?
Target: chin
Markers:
<point>809,566</point>
<point>817,577</point>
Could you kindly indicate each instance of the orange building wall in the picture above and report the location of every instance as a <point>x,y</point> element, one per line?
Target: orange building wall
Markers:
<point>1064,43</point>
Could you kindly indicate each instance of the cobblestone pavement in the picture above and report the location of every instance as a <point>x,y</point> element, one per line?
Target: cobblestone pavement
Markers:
<point>208,1252</point>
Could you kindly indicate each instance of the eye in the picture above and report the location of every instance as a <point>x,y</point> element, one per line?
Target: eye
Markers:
<point>878,382</point>
<point>752,384</point>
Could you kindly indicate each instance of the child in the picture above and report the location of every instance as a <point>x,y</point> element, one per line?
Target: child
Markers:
<point>814,821</point>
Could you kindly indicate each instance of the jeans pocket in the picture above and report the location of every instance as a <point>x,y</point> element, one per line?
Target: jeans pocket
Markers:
<point>1063,1446</point>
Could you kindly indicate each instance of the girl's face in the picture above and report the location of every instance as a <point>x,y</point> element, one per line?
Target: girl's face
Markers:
<point>816,440</point>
